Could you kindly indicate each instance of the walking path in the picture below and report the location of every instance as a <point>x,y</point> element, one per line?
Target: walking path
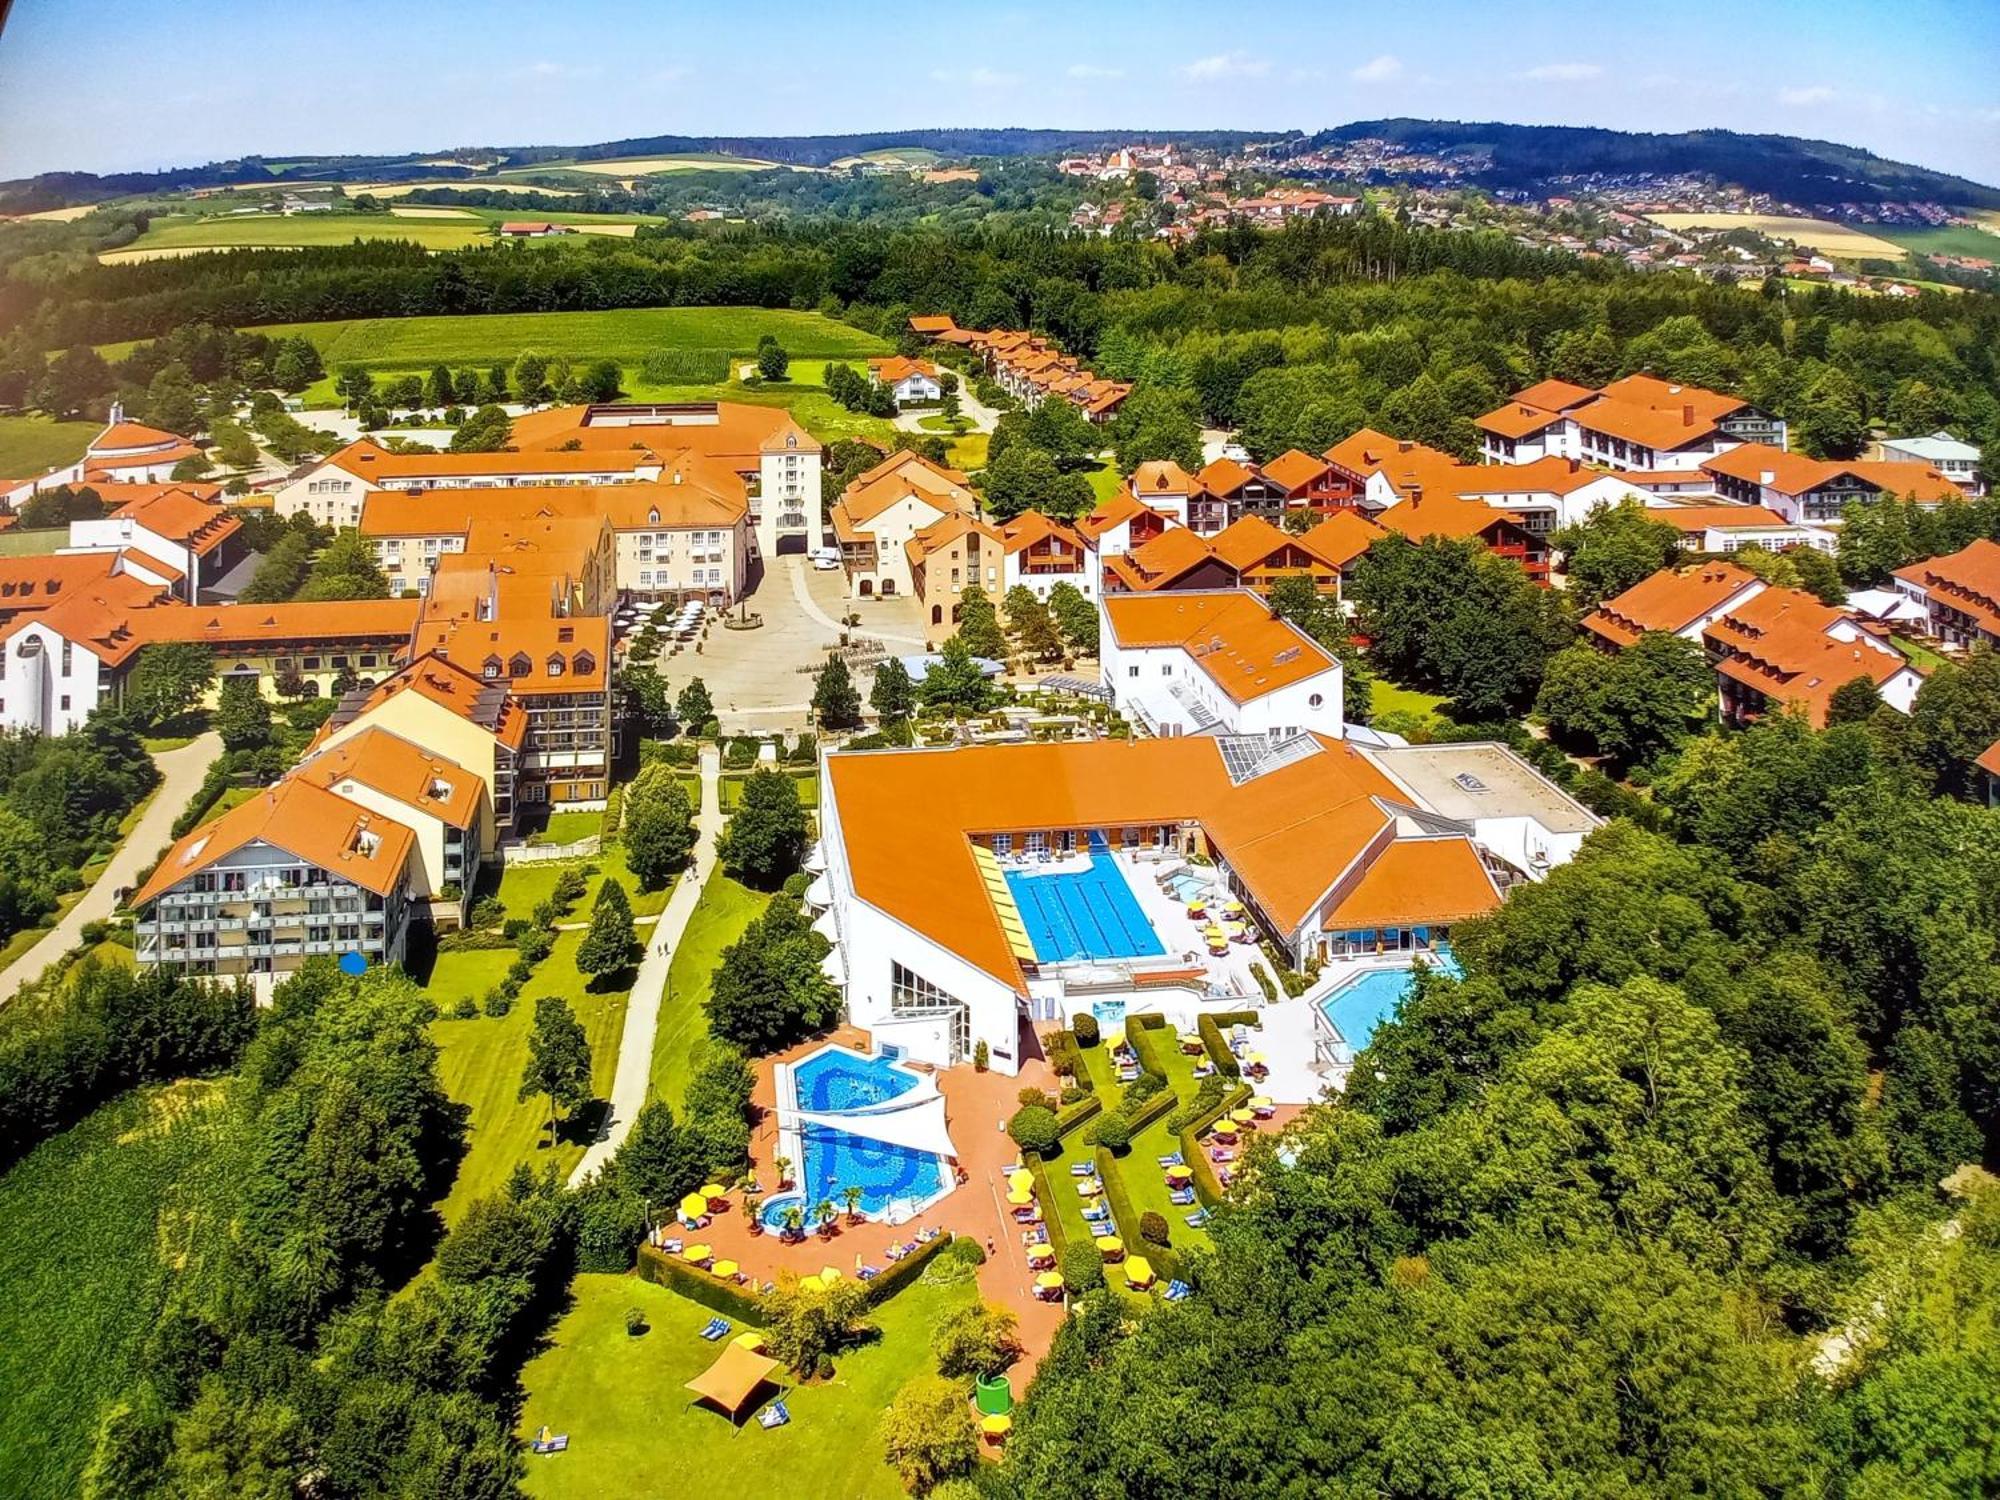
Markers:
<point>642,1011</point>
<point>181,774</point>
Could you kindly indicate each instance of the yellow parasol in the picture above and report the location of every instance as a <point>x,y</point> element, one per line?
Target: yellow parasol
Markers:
<point>1048,1281</point>
<point>1243,1116</point>
<point>1179,1174</point>
<point>811,1284</point>
<point>997,1425</point>
<point>1020,1198</point>
<point>725,1268</point>
<point>1021,1182</point>
<point>751,1340</point>
<point>1138,1271</point>
<point>694,1255</point>
<point>1234,929</point>
<point>1255,1059</point>
<point>711,1192</point>
<point>693,1206</point>
<point>1262,1102</point>
<point>1109,1244</point>
<point>1214,934</point>
<point>1041,1255</point>
<point>1196,903</point>
<point>1224,1130</point>
<point>1232,906</point>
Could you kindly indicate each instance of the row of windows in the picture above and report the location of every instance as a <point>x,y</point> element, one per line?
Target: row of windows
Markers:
<point>521,665</point>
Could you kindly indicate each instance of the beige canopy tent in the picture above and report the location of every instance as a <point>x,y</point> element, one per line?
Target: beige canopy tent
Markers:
<point>733,1379</point>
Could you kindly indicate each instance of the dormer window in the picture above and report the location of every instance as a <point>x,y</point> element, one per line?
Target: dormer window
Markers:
<point>491,667</point>
<point>584,663</point>
<point>520,665</point>
<point>556,667</point>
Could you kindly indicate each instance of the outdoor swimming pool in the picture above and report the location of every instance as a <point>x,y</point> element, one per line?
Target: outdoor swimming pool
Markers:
<point>894,1176</point>
<point>1364,1002</point>
<point>1083,913</point>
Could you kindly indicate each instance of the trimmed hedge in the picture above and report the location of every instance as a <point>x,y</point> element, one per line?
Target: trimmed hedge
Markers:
<point>1046,1194</point>
<point>1066,1059</point>
<point>1142,1033</point>
<point>1212,1038</point>
<point>900,1273</point>
<point>1072,1115</point>
<point>711,1292</point>
<point>1125,1214</point>
<point>1207,1186</point>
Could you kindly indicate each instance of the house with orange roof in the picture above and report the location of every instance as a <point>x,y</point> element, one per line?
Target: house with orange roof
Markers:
<point>1783,650</point>
<point>1181,661</point>
<point>29,585</point>
<point>1120,522</point>
<point>333,490</point>
<point>955,552</point>
<point>685,536</point>
<point>1164,487</point>
<point>880,513</point>
<point>1250,552</point>
<point>185,527</point>
<point>1812,491</point>
<point>1960,592</point>
<point>1040,553</point>
<point>1424,515</point>
<point>1638,422</point>
<point>932,325</point>
<point>1046,878</point>
<point>453,711</point>
<point>1725,526</point>
<point>1676,601</point>
<point>123,453</point>
<point>1544,495</point>
<point>1306,480</point>
<point>296,872</point>
<point>913,382</point>
<point>1227,489</point>
<point>447,807</point>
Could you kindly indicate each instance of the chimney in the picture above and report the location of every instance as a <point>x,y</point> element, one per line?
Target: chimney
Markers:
<point>1767,476</point>
<point>1687,414</point>
<point>117,412</point>
<point>1416,496</point>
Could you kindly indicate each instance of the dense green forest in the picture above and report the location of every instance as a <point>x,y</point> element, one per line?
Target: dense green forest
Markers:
<point>1298,337</point>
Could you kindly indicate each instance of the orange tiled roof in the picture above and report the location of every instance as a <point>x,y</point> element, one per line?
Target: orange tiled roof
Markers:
<point>134,435</point>
<point>1232,636</point>
<point>35,583</point>
<point>1968,580</point>
<point>366,461</point>
<point>1670,600</point>
<point>1224,477</point>
<point>1344,536</point>
<point>397,768</point>
<point>934,323</point>
<point>1368,450</point>
<point>1114,510</point>
<point>1517,419</point>
<point>715,497</point>
<point>1162,559</point>
<point>1777,642</point>
<point>1795,474</point>
<point>1554,395</point>
<point>452,686</point>
<point>1989,759</point>
<point>1417,881</point>
<point>199,525</point>
<point>1544,476</point>
<point>253,625</point>
<point>1444,515</point>
<point>1031,526</point>
<point>1294,469</point>
<point>1650,390</point>
<point>1160,476</point>
<point>1288,834</point>
<point>582,643</point>
<point>1722,515</point>
<point>890,369</point>
<point>305,820</point>
<point>736,432</point>
<point>100,614</point>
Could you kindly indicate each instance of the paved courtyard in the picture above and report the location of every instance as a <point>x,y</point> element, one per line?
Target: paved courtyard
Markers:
<point>755,676</point>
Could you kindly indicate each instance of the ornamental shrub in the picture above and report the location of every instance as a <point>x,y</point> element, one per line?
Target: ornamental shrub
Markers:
<point>1034,1128</point>
<point>1114,1132</point>
<point>1153,1227</point>
<point>1084,1026</point>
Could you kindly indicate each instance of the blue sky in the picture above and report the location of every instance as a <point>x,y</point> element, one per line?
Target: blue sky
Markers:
<point>107,86</point>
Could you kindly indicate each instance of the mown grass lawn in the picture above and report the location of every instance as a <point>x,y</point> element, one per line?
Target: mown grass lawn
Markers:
<point>730,790</point>
<point>94,1226</point>
<point>632,1431</point>
<point>480,1062</point>
<point>627,335</point>
<point>1385,697</point>
<point>568,827</point>
<point>1921,654</point>
<point>1139,1169</point>
<point>525,887</point>
<point>31,446</point>
<point>725,909</point>
<point>1105,481</point>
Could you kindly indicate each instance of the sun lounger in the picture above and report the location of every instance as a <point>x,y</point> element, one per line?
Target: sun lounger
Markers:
<point>715,1328</point>
<point>555,1444</point>
<point>868,1273</point>
<point>925,1236</point>
<point>1182,1198</point>
<point>1080,1169</point>
<point>1178,1291</point>
<point>1172,1161</point>
<point>672,1247</point>
<point>1196,1219</point>
<point>773,1415</point>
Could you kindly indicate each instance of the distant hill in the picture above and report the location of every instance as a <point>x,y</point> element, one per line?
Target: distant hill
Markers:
<point>1797,170</point>
<point>1507,156</point>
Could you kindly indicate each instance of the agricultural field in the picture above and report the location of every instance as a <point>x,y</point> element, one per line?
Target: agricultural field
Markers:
<point>633,1432</point>
<point>627,335</point>
<point>893,156</point>
<point>647,166</point>
<point>192,235</point>
<point>390,190</point>
<point>1954,239</point>
<point>95,1225</point>
<point>1838,240</point>
<point>33,445</point>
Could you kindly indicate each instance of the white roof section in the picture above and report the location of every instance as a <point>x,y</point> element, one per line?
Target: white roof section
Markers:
<point>1939,445</point>
<point>1473,782</point>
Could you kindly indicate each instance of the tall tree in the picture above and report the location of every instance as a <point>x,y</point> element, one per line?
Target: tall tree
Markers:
<point>608,947</point>
<point>558,1064</point>
<point>835,699</point>
<point>167,680</point>
<point>892,695</point>
<point>767,835</point>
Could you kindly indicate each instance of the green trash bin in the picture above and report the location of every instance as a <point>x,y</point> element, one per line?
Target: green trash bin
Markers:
<point>993,1396</point>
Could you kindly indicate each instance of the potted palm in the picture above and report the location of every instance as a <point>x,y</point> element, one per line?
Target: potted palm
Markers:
<point>795,1224</point>
<point>826,1213</point>
<point>851,1196</point>
<point>782,1165</point>
<point>753,1204</point>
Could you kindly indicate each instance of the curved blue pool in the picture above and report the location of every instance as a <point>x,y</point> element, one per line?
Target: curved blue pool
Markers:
<point>1371,997</point>
<point>835,1080</point>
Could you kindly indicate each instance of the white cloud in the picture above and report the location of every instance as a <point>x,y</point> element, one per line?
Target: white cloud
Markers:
<point>1092,70</point>
<point>1564,72</point>
<point>554,70</point>
<point>1226,65</point>
<point>1817,93</point>
<point>1378,70</point>
<point>977,78</point>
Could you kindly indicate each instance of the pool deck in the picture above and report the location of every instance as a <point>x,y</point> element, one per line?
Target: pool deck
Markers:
<point>977,1106</point>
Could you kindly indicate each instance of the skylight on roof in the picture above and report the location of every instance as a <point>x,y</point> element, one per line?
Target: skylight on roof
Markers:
<point>1247,756</point>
